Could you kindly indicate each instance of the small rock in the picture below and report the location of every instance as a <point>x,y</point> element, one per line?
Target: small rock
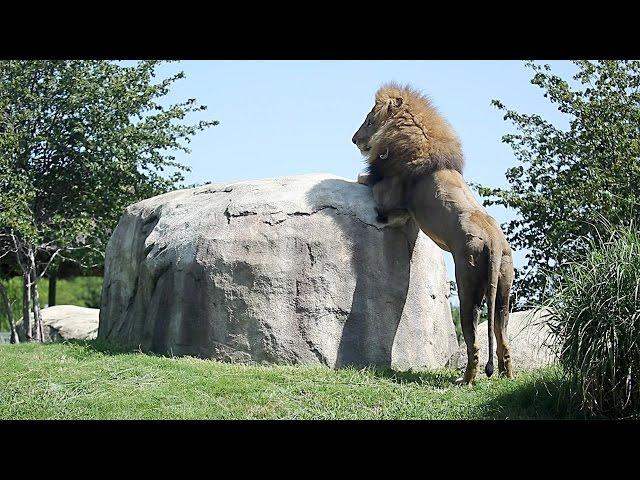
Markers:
<point>67,322</point>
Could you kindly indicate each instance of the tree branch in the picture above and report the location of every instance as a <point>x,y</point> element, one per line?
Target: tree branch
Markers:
<point>49,263</point>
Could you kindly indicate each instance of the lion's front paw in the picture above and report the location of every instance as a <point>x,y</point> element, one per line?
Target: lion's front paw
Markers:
<point>364,178</point>
<point>382,219</point>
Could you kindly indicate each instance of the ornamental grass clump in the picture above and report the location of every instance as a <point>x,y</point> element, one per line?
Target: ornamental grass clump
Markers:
<point>594,318</point>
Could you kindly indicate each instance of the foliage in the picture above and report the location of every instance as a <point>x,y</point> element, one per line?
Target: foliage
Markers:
<point>455,314</point>
<point>567,178</point>
<point>81,141</point>
<point>595,323</point>
<point>80,291</point>
<point>87,380</point>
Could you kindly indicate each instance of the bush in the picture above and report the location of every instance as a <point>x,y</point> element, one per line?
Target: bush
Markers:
<point>595,324</point>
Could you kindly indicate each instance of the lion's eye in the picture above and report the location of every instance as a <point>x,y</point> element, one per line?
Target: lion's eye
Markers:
<point>369,123</point>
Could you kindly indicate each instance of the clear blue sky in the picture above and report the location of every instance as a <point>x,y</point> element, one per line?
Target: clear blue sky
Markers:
<point>292,117</point>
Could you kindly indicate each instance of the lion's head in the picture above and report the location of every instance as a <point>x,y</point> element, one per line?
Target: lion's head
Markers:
<point>404,134</point>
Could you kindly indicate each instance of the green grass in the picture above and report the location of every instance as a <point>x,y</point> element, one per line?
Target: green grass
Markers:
<point>84,380</point>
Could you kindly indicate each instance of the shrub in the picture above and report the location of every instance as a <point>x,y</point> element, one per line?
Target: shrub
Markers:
<point>595,324</point>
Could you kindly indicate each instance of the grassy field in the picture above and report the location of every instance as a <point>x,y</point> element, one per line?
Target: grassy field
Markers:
<point>86,381</point>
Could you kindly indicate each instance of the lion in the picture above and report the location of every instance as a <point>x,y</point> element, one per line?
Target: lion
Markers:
<point>415,164</point>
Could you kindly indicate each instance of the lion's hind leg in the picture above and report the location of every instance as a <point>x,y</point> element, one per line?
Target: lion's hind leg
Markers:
<point>470,293</point>
<point>502,319</point>
<point>469,315</point>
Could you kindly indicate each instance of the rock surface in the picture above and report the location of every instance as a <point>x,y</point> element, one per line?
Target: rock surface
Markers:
<point>286,270</point>
<point>67,322</point>
<point>527,335</point>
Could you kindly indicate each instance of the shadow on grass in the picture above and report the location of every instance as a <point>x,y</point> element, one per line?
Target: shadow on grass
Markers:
<point>434,379</point>
<point>100,346</point>
<point>540,396</point>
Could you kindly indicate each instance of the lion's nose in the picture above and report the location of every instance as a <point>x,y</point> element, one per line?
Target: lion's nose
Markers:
<point>354,139</point>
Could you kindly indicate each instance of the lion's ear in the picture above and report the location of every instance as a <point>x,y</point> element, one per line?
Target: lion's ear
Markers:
<point>393,104</point>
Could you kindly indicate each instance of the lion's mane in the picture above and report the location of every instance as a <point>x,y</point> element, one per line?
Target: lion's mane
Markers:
<point>413,139</point>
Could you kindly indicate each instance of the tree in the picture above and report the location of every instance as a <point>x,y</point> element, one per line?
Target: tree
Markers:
<point>568,180</point>
<point>13,199</point>
<point>6,304</point>
<point>79,141</point>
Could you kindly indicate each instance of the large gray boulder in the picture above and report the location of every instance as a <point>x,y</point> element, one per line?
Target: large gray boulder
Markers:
<point>528,338</point>
<point>66,322</point>
<point>285,270</point>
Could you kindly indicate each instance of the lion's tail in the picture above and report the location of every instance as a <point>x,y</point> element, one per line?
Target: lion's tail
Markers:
<point>495,260</point>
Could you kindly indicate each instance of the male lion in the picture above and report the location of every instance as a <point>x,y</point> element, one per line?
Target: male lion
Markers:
<point>415,163</point>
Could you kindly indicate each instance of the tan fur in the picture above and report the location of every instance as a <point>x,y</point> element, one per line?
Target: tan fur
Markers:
<point>444,208</point>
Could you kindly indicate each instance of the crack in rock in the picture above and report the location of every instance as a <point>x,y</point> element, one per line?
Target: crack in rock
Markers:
<point>244,213</point>
<point>271,221</point>
<point>308,214</point>
<point>312,257</point>
<point>206,192</point>
<point>316,352</point>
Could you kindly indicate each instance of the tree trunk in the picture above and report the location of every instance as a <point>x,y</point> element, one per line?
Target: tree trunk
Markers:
<point>53,278</point>
<point>12,323</point>
<point>35,298</point>
<point>26,296</point>
<point>37,316</point>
